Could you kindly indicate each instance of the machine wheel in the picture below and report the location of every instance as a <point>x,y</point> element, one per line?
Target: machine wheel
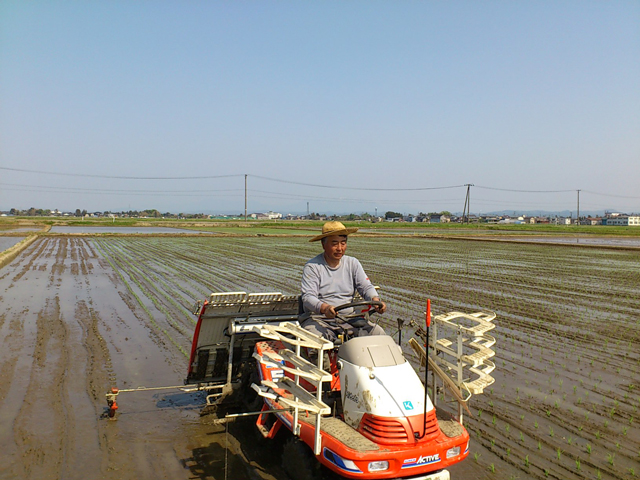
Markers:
<point>299,461</point>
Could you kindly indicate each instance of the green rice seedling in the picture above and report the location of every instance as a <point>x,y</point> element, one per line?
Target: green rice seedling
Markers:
<point>539,445</point>
<point>476,456</point>
<point>492,468</point>
<point>559,453</point>
<point>598,474</point>
<point>598,435</point>
<point>589,448</point>
<point>508,452</point>
<point>624,430</point>
<point>526,461</point>
<point>578,463</point>
<point>610,457</point>
<point>521,437</point>
<point>631,471</point>
<point>507,428</point>
<point>493,420</point>
<point>535,424</point>
<point>551,431</point>
<point>570,440</point>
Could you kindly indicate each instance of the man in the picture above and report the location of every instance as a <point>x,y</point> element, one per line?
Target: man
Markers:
<point>332,279</point>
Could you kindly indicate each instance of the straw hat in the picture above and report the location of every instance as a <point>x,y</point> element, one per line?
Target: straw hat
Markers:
<point>333,228</point>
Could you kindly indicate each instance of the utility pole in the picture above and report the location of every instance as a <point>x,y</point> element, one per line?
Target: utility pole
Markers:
<point>467,204</point>
<point>307,209</point>
<point>578,219</point>
<point>245,197</point>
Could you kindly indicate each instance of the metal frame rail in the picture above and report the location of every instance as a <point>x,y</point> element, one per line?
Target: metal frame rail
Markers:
<point>301,398</point>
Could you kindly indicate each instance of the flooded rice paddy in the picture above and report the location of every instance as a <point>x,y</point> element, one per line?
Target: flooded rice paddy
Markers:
<point>125,230</point>
<point>81,315</point>
<point>8,242</point>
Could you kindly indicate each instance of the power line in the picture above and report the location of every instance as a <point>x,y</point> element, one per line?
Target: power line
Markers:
<point>120,177</point>
<point>608,194</point>
<point>291,182</point>
<point>112,190</point>
<point>524,191</point>
<point>154,194</point>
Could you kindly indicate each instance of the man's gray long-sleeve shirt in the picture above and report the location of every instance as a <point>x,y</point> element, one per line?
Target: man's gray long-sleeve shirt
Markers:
<point>335,286</point>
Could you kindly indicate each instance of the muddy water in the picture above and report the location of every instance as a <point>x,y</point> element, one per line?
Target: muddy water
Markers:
<point>68,332</point>
<point>8,242</point>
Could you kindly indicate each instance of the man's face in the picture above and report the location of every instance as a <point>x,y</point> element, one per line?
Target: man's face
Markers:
<point>335,246</point>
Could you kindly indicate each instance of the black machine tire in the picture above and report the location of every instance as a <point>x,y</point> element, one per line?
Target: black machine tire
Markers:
<point>299,462</point>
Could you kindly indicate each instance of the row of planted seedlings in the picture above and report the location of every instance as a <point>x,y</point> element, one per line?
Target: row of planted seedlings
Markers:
<point>551,337</point>
<point>166,276</point>
<point>168,322</point>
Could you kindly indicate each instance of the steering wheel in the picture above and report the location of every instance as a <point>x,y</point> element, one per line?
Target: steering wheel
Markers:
<point>362,317</point>
<point>361,303</point>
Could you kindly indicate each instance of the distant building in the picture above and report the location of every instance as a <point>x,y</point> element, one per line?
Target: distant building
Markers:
<point>624,220</point>
<point>439,219</point>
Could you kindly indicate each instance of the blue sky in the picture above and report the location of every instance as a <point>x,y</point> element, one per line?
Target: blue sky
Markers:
<point>528,101</point>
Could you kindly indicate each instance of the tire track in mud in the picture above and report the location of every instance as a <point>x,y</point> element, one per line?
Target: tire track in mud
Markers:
<point>42,426</point>
<point>99,373</point>
<point>31,254</point>
<point>54,413</point>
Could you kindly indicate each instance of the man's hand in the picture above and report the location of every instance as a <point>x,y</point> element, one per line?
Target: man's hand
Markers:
<point>382,308</point>
<point>328,310</point>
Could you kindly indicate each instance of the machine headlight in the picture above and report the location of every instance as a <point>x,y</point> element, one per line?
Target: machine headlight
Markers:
<point>378,466</point>
<point>453,452</point>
